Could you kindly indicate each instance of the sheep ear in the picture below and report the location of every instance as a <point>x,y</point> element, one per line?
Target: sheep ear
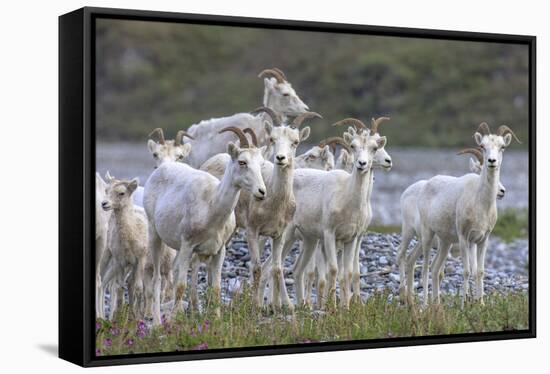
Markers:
<point>133,185</point>
<point>351,130</point>
<point>186,149</point>
<point>324,151</point>
<point>381,142</point>
<point>347,137</point>
<point>263,151</point>
<point>233,150</point>
<point>507,139</point>
<point>269,82</point>
<point>304,133</point>
<point>475,166</point>
<point>151,144</point>
<point>268,127</point>
<point>478,137</point>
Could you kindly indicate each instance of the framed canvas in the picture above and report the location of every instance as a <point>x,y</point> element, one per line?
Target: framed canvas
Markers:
<point>236,186</point>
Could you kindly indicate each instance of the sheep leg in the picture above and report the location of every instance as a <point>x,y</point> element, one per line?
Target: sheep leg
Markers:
<point>407,234</point>
<point>437,268</point>
<point>321,276</point>
<point>427,238</point>
<point>310,278</point>
<point>253,238</point>
<point>279,285</point>
<point>308,249</point>
<point>347,257</point>
<point>356,276</point>
<point>329,240</point>
<point>465,255</point>
<point>155,248</point>
<point>182,262</point>
<point>215,277</point>
<point>194,283</point>
<point>138,307</point>
<point>289,239</point>
<point>409,271</point>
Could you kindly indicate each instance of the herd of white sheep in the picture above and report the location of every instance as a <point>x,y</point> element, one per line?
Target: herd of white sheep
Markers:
<point>242,172</point>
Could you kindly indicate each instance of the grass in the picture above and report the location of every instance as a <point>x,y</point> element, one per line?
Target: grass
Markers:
<point>242,325</point>
<point>511,224</point>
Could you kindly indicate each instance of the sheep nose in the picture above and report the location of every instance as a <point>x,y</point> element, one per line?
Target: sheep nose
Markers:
<point>388,160</point>
<point>491,160</point>
<point>280,157</point>
<point>362,163</point>
<point>261,191</point>
<point>104,204</point>
<point>502,190</point>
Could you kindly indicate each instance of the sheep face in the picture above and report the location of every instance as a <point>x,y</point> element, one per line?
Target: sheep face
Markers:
<point>283,98</point>
<point>320,158</point>
<point>381,158</point>
<point>118,193</point>
<point>363,146</point>
<point>246,164</point>
<point>168,151</point>
<point>284,141</point>
<point>492,146</point>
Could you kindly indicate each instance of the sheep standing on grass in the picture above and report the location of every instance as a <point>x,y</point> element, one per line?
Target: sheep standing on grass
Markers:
<point>279,96</point>
<point>126,240</point>
<point>411,228</point>
<point>331,206</point>
<point>463,210</point>
<point>193,212</point>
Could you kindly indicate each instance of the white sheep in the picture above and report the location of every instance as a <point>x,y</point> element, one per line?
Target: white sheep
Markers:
<point>318,157</point>
<point>463,210</point>
<point>126,240</point>
<point>331,206</point>
<point>192,211</point>
<point>279,96</point>
<point>411,228</point>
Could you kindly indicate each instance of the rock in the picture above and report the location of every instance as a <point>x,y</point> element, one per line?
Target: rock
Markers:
<point>383,260</point>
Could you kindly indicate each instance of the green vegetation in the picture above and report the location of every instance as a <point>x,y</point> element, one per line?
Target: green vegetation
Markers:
<point>512,224</point>
<point>170,75</point>
<point>242,325</point>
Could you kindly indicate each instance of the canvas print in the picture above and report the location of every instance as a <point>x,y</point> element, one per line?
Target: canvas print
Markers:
<point>261,187</point>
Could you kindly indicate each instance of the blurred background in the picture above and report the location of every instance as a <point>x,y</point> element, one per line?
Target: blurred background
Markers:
<point>169,75</point>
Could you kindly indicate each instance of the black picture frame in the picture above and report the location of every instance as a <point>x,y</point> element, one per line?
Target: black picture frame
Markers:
<point>77,165</point>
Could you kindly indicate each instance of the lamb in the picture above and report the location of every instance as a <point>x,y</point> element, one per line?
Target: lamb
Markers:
<point>164,150</point>
<point>101,231</point>
<point>411,227</point>
<point>126,240</point>
<point>331,206</point>
<point>279,96</point>
<point>193,212</point>
<point>463,210</point>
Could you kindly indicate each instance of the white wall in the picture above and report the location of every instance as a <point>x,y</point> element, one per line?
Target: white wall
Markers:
<point>28,85</point>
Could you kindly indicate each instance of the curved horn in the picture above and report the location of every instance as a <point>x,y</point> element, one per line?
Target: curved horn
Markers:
<point>358,125</point>
<point>323,143</point>
<point>336,140</point>
<point>476,152</point>
<point>274,116</point>
<point>377,122</point>
<point>240,134</point>
<point>302,117</point>
<point>272,73</point>
<point>180,135</point>
<point>252,134</point>
<point>503,130</point>
<point>158,131</point>
<point>483,128</point>
<point>281,72</point>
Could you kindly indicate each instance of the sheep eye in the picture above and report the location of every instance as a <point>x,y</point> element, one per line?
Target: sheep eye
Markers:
<point>155,155</point>
<point>242,163</point>
<point>286,95</point>
<point>272,140</point>
<point>296,144</point>
<point>180,157</point>
<point>121,194</point>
